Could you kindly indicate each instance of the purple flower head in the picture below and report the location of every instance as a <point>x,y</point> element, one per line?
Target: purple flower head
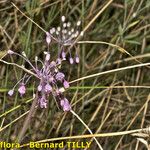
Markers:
<point>10,92</point>
<point>65,104</point>
<point>49,78</point>
<point>66,33</point>
<point>59,76</point>
<point>66,84</point>
<point>10,52</point>
<point>48,88</point>
<point>22,89</point>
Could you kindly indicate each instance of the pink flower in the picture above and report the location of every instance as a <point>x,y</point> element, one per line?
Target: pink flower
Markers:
<point>63,55</point>
<point>22,89</point>
<point>43,102</point>
<point>66,84</point>
<point>65,104</point>
<point>59,76</point>
<point>48,88</point>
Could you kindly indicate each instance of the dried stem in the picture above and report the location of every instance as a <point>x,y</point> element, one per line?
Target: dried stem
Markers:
<point>27,120</point>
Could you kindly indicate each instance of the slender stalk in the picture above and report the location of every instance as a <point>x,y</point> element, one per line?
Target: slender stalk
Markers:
<point>27,120</point>
<point>112,134</point>
<point>100,147</point>
<point>110,71</point>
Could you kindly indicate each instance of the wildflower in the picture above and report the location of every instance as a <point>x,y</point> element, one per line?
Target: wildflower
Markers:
<point>63,18</point>
<point>39,88</point>
<point>78,23</point>
<point>65,35</point>
<point>50,79</point>
<point>48,88</point>
<point>47,58</point>
<point>22,89</point>
<point>63,54</point>
<point>43,102</point>
<point>71,60</point>
<point>48,38</point>
<point>77,59</point>
<point>10,52</point>
<point>59,76</point>
<point>10,92</point>
<point>65,104</point>
<point>66,84</point>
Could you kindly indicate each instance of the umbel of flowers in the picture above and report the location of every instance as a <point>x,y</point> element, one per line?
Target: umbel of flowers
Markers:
<point>50,79</point>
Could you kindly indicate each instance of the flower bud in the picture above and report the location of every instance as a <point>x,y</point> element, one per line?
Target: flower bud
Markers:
<point>77,59</point>
<point>65,104</point>
<point>39,88</point>
<point>78,23</point>
<point>63,18</point>
<point>63,54</point>
<point>10,52</point>
<point>48,38</point>
<point>47,58</point>
<point>10,92</point>
<point>66,84</point>
<point>22,89</point>
<point>71,60</point>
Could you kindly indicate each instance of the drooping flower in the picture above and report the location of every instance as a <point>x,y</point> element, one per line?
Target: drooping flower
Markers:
<point>63,18</point>
<point>10,92</point>
<point>66,84</point>
<point>39,88</point>
<point>63,55</point>
<point>10,52</point>
<point>59,76</point>
<point>71,60</point>
<point>48,38</point>
<point>65,104</point>
<point>43,102</point>
<point>22,89</point>
<point>77,59</point>
<point>48,88</point>
<point>47,58</point>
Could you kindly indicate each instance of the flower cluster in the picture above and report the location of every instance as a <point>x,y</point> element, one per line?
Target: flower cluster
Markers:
<point>65,35</point>
<point>51,79</point>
